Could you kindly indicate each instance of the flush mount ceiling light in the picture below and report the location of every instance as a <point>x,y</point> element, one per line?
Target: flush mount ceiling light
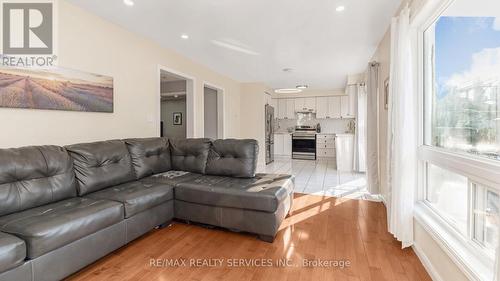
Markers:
<point>302,87</point>
<point>185,36</point>
<point>129,3</point>
<point>340,8</point>
<point>287,91</point>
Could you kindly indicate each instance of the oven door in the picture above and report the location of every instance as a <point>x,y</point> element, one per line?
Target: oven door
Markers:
<point>304,147</point>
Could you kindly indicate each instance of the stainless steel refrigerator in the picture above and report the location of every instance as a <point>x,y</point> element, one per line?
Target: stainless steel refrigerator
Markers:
<point>269,134</point>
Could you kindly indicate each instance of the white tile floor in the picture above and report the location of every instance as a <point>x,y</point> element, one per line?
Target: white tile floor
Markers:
<point>320,177</point>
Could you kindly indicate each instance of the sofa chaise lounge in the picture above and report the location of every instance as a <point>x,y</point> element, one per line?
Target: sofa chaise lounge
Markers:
<point>62,208</point>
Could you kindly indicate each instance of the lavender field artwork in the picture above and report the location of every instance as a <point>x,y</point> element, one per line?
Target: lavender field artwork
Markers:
<point>57,89</point>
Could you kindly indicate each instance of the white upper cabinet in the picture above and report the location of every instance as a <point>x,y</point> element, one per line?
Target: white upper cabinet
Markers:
<point>349,103</point>
<point>290,109</point>
<point>281,108</point>
<point>300,105</point>
<point>328,107</point>
<point>347,107</point>
<point>334,107</point>
<point>321,107</point>
<point>310,104</point>
<point>305,104</point>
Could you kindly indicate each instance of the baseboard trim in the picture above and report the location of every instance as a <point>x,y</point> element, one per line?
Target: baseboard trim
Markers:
<point>426,263</point>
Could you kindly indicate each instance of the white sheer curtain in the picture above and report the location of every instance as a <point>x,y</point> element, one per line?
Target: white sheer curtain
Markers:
<point>402,143</point>
<point>372,169</point>
<point>360,133</point>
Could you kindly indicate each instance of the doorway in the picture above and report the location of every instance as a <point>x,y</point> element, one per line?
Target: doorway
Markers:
<point>213,112</point>
<point>173,105</point>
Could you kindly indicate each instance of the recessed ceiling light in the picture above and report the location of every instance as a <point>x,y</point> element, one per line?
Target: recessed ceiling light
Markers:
<point>287,91</point>
<point>185,36</point>
<point>302,87</point>
<point>340,8</point>
<point>128,2</point>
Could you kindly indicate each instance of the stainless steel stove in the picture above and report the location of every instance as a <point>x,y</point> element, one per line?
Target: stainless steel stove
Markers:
<point>304,143</point>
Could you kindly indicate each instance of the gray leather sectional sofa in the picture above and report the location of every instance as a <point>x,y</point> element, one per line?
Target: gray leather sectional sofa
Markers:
<point>62,208</point>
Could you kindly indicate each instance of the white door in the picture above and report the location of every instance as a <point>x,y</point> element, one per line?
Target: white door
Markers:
<point>290,109</point>
<point>287,145</point>
<point>281,108</point>
<point>334,107</point>
<point>321,107</point>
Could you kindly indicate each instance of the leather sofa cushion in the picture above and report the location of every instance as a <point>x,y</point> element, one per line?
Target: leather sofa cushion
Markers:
<point>99,165</point>
<point>136,196</point>
<point>172,178</point>
<point>52,226</point>
<point>12,251</point>
<point>149,156</point>
<point>261,193</point>
<point>33,176</point>
<point>233,158</point>
<point>189,155</point>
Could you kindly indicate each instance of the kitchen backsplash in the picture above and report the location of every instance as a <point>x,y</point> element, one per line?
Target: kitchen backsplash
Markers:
<point>334,126</point>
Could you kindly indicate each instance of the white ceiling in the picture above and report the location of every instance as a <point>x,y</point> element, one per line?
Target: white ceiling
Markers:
<point>253,40</point>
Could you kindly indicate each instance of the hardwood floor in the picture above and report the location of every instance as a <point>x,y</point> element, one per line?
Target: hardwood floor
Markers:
<point>320,228</point>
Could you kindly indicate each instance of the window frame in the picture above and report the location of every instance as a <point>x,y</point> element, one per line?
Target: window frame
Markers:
<point>464,250</point>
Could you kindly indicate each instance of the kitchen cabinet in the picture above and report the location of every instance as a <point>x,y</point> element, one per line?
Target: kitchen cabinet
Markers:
<point>287,145</point>
<point>334,107</point>
<point>278,144</point>
<point>348,103</point>
<point>344,149</point>
<point>290,109</point>
<point>328,107</point>
<point>281,108</point>
<point>305,104</point>
<point>321,107</point>
<point>310,104</point>
<point>286,109</point>
<point>283,144</point>
<point>300,105</point>
<point>325,146</point>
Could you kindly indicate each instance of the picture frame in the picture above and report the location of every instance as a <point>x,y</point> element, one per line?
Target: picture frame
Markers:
<point>177,118</point>
<point>57,88</point>
<point>386,93</point>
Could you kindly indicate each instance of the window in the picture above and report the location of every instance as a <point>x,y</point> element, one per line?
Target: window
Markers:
<point>460,149</point>
<point>463,84</point>
<point>447,194</point>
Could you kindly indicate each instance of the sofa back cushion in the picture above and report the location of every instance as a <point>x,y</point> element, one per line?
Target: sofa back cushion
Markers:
<point>189,155</point>
<point>233,158</point>
<point>149,156</point>
<point>33,176</point>
<point>101,164</point>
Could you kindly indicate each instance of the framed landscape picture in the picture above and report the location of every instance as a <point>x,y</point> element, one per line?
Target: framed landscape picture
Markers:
<point>177,118</point>
<point>56,89</point>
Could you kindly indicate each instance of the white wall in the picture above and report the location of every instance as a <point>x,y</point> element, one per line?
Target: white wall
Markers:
<point>253,117</point>
<point>429,251</point>
<point>89,43</point>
